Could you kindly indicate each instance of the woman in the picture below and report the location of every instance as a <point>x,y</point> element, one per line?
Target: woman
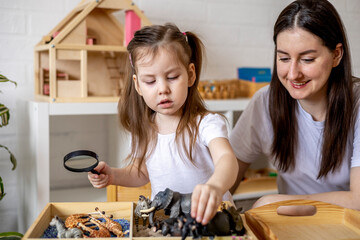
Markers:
<point>307,120</point>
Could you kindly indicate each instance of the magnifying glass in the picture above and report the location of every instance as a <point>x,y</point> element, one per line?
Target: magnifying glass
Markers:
<point>81,161</point>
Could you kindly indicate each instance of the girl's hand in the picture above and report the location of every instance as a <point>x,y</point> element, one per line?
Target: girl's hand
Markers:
<point>104,179</point>
<point>204,202</point>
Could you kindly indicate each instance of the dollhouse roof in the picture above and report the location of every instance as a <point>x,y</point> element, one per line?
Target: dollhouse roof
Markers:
<point>94,19</point>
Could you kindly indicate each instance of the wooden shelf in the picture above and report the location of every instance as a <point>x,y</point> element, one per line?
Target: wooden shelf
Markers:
<point>255,188</point>
<point>96,108</point>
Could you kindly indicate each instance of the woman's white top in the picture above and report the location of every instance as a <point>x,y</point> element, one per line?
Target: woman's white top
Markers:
<point>168,166</point>
<point>253,135</point>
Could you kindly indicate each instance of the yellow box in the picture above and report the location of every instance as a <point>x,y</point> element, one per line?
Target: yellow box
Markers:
<point>63,210</point>
<point>248,88</point>
<point>229,89</point>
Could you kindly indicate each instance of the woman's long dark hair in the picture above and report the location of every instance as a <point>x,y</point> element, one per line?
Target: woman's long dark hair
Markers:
<point>135,116</point>
<point>320,18</point>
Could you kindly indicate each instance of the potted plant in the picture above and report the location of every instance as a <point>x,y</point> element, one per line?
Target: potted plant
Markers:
<point>4,120</point>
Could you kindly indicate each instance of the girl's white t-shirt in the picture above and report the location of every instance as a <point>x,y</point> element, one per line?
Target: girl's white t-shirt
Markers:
<point>253,134</point>
<point>167,169</point>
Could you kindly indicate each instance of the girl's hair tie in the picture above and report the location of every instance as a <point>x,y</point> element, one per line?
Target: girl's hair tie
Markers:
<point>131,60</point>
<point>186,38</point>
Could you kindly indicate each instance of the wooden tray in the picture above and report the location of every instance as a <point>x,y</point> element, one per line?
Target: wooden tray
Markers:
<point>65,209</point>
<point>329,222</point>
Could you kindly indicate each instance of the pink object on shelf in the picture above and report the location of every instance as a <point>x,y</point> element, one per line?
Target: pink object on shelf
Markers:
<point>46,89</point>
<point>55,34</point>
<point>132,24</point>
<point>90,41</point>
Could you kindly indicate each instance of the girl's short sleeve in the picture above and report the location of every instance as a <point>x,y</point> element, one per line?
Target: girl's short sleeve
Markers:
<point>212,126</point>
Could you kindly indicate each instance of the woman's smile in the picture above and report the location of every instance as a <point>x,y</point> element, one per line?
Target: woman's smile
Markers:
<point>299,85</point>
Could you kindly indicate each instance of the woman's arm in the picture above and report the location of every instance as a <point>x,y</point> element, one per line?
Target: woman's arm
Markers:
<point>243,166</point>
<point>207,197</point>
<point>347,199</point>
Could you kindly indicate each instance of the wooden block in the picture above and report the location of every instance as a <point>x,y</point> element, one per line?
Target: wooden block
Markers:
<point>68,55</point>
<point>70,88</point>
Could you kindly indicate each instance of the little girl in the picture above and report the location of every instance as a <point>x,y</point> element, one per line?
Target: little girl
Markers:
<point>176,142</point>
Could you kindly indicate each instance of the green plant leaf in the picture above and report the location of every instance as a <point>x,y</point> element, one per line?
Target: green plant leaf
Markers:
<point>10,235</point>
<point>2,193</point>
<point>4,115</point>
<point>5,79</point>
<point>12,157</point>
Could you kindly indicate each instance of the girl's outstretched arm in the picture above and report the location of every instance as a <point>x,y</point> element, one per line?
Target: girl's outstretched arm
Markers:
<point>207,197</point>
<point>127,177</point>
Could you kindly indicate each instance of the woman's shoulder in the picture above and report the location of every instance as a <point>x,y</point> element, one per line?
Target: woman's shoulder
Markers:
<point>356,82</point>
<point>356,88</point>
<point>260,100</point>
<point>262,93</point>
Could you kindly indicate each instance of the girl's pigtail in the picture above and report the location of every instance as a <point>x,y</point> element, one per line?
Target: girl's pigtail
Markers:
<point>196,52</point>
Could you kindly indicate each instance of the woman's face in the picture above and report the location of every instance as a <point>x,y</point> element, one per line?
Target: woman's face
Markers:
<point>304,64</point>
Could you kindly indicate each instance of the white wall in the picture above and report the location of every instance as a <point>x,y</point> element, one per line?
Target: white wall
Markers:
<point>235,32</point>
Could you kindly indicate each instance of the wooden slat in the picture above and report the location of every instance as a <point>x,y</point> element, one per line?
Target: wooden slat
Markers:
<point>87,99</point>
<point>52,73</point>
<point>42,47</point>
<point>92,47</point>
<point>68,54</point>
<point>83,73</point>
<point>37,79</point>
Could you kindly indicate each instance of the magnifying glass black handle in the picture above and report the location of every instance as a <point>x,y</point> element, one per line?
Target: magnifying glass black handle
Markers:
<point>95,172</point>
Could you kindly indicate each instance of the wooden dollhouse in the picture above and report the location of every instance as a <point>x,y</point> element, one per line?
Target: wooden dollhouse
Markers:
<point>83,58</point>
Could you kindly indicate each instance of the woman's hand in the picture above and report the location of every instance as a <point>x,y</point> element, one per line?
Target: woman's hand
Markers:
<point>105,177</point>
<point>204,202</point>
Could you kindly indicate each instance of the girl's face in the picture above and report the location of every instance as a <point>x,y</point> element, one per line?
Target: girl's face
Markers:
<point>163,81</point>
<point>304,64</point>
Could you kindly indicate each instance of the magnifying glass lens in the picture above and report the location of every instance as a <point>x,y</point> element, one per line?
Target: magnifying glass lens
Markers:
<point>80,162</point>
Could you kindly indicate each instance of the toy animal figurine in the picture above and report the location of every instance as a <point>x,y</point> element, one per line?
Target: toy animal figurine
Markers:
<point>63,232</point>
<point>73,220</point>
<point>224,223</point>
<point>102,232</point>
<point>171,226</point>
<point>110,224</point>
<point>143,204</point>
<point>189,226</point>
<point>173,203</point>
